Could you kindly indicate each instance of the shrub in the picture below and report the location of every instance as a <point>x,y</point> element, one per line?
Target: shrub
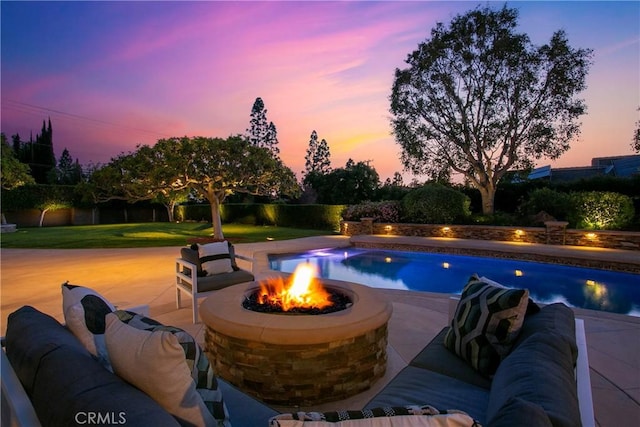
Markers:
<point>555,203</point>
<point>602,210</point>
<point>435,204</point>
<point>388,211</point>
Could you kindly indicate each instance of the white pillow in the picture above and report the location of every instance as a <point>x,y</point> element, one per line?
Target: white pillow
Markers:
<point>215,258</point>
<point>154,362</point>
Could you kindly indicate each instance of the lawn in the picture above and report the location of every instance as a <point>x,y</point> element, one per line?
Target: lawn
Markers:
<point>139,235</point>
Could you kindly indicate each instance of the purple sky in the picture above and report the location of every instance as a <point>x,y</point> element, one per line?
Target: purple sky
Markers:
<point>112,75</point>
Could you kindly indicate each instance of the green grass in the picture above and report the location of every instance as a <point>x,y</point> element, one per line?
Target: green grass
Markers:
<point>141,235</point>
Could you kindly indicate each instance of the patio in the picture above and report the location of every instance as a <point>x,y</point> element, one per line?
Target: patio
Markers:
<point>129,277</point>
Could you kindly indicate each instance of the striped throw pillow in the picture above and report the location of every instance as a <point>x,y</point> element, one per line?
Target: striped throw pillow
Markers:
<point>215,258</point>
<point>203,378</point>
<point>486,323</point>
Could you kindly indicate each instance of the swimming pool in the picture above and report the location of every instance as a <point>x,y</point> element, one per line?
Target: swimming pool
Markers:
<point>602,290</point>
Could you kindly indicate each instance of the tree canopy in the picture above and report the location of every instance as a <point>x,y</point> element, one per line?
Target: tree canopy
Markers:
<point>13,172</point>
<point>211,168</point>
<point>479,99</point>
<point>262,133</point>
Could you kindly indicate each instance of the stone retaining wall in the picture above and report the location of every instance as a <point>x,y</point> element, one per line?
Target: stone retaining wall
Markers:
<point>554,233</point>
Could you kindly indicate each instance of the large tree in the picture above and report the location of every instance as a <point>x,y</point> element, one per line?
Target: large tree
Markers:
<point>216,168</point>
<point>262,133</point>
<point>635,142</point>
<point>318,157</point>
<point>479,99</point>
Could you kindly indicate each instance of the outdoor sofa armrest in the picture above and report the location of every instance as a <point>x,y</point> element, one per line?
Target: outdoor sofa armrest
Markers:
<point>17,410</point>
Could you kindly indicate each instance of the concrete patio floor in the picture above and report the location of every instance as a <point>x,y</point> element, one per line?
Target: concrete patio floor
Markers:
<point>130,277</point>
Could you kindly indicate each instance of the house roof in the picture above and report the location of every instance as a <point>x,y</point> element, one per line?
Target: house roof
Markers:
<point>619,166</point>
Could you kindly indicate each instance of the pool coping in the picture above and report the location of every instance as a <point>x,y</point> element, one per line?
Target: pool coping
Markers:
<point>578,256</point>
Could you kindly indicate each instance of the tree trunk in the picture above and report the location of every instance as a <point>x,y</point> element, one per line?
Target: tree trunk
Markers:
<point>216,220</point>
<point>170,207</point>
<point>42,212</point>
<point>488,196</point>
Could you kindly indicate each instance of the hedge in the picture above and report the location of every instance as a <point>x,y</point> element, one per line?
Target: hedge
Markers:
<point>318,217</point>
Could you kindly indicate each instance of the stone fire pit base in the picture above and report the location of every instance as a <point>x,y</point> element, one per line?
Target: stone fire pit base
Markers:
<point>298,360</point>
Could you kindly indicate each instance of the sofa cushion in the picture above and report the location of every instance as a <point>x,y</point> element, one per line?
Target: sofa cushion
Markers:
<point>244,410</point>
<point>519,412</point>
<point>486,322</point>
<point>84,311</point>
<point>539,370</point>
<point>168,365</point>
<point>64,381</point>
<point>553,318</point>
<point>414,386</point>
<point>435,357</point>
<point>401,416</point>
<point>215,258</point>
<point>215,282</point>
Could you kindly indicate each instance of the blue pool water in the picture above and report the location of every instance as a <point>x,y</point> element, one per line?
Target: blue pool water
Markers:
<point>419,271</point>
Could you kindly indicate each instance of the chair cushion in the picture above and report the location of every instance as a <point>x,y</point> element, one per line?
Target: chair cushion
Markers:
<point>166,363</point>
<point>486,322</point>
<point>64,381</point>
<point>539,370</point>
<point>219,281</point>
<point>215,258</point>
<point>84,311</point>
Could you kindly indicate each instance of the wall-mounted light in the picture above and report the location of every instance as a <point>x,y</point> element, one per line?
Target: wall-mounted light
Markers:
<point>591,236</point>
<point>519,232</point>
<point>387,260</point>
<point>445,265</point>
<point>519,273</point>
<point>446,229</point>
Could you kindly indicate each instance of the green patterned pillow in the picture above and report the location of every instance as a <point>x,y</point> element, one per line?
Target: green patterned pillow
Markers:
<point>486,323</point>
<point>200,369</point>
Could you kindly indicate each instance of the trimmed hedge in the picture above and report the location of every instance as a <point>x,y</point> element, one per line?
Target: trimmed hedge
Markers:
<point>436,204</point>
<point>317,217</point>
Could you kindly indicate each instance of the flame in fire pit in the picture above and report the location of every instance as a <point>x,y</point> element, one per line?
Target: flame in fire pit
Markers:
<point>303,290</point>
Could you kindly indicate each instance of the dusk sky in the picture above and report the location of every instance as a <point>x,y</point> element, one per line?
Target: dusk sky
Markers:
<point>112,75</point>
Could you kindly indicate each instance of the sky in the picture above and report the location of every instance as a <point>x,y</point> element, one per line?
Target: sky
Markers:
<point>113,75</point>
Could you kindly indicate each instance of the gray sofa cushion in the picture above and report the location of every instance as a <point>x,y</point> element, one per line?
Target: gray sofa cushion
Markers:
<point>245,410</point>
<point>553,318</point>
<point>416,386</point>
<point>437,358</point>
<point>64,381</point>
<point>539,370</point>
<point>219,281</point>
<point>519,412</point>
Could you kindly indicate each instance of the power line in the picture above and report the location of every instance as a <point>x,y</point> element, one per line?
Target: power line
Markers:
<point>31,108</point>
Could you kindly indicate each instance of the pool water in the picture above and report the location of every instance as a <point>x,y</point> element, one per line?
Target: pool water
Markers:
<point>420,271</point>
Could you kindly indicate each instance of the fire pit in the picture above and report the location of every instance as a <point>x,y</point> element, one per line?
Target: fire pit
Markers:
<point>298,359</point>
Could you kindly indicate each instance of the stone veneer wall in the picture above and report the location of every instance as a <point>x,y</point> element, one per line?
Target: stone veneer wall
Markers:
<point>555,233</point>
<point>300,375</point>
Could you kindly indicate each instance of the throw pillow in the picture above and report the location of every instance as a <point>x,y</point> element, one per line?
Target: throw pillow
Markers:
<point>84,313</point>
<point>404,416</point>
<point>215,258</point>
<point>189,390</point>
<point>486,322</point>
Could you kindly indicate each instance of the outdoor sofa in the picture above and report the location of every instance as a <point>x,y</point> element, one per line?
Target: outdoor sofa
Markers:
<point>543,381</point>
